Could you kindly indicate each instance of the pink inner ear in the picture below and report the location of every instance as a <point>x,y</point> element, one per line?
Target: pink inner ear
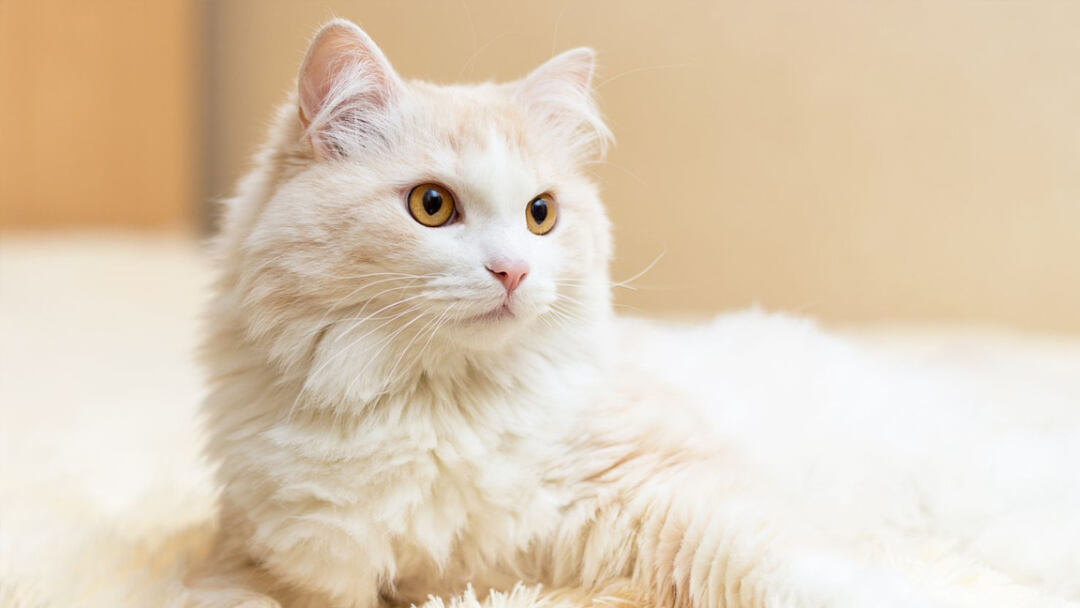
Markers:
<point>334,47</point>
<point>315,82</point>
<point>341,50</point>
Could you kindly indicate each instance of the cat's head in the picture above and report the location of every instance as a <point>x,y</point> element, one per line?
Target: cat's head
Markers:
<point>390,217</point>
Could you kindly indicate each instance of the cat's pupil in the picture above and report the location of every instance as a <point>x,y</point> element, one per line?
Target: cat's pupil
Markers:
<point>539,210</point>
<point>433,201</point>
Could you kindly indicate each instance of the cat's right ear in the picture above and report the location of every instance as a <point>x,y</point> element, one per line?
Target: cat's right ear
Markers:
<point>344,88</point>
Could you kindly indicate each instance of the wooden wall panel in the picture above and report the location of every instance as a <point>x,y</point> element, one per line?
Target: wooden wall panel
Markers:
<point>99,112</point>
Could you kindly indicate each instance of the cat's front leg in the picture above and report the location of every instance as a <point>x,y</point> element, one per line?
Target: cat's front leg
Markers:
<point>224,597</point>
<point>703,548</point>
<point>231,578</point>
<point>235,582</point>
<point>690,540</point>
<point>226,580</point>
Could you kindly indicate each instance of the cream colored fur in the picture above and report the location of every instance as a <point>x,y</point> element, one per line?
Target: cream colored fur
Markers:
<point>379,442</point>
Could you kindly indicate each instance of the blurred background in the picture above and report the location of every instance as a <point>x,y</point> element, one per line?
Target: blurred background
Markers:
<point>853,161</point>
<point>906,170</point>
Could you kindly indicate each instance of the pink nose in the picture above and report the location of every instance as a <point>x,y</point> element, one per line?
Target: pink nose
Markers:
<point>509,273</point>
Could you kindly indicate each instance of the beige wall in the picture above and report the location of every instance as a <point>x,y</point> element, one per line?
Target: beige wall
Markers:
<point>855,161</point>
<point>99,118</point>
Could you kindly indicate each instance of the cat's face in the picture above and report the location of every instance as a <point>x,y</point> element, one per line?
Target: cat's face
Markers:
<point>417,214</point>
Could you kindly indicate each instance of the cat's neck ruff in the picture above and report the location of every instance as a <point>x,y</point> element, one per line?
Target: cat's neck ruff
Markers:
<point>542,372</point>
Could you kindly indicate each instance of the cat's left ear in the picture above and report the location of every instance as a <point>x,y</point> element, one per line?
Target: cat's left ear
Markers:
<point>559,94</point>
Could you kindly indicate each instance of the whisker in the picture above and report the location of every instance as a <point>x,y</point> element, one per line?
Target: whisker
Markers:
<point>359,313</point>
<point>269,262</point>
<point>560,314</point>
<point>391,375</point>
<point>558,22</point>
<point>375,356</point>
<point>379,274</point>
<point>637,177</point>
<point>356,320</point>
<point>626,282</point>
<point>436,324</point>
<point>648,68</point>
<point>478,51</point>
<point>385,340</point>
<point>334,306</point>
<point>362,336</point>
<point>360,319</point>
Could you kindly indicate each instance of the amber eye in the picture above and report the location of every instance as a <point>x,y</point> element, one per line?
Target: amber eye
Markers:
<point>431,205</point>
<point>540,214</point>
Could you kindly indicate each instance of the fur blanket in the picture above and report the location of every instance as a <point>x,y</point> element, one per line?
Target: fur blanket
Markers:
<point>104,499</point>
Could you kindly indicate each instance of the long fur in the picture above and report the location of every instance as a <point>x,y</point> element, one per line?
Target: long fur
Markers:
<point>379,441</point>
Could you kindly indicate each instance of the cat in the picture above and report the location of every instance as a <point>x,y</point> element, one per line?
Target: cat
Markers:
<point>419,390</point>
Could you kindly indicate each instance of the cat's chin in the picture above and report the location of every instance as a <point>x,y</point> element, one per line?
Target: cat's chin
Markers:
<point>492,329</point>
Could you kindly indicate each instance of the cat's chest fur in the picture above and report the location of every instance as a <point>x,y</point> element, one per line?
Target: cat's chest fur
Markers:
<point>421,487</point>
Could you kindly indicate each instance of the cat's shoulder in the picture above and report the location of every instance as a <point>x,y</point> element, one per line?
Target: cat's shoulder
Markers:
<point>746,329</point>
<point>770,356</point>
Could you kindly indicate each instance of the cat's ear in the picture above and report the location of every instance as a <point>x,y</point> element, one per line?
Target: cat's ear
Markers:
<point>560,94</point>
<point>344,88</point>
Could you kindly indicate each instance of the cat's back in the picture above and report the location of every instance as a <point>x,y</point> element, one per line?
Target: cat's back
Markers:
<point>774,364</point>
<point>910,455</point>
<point>789,372</point>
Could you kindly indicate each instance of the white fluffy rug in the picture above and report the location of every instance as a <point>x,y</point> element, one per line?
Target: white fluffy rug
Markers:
<point>103,497</point>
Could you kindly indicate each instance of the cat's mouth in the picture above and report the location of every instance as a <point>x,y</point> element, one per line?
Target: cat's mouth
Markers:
<point>499,313</point>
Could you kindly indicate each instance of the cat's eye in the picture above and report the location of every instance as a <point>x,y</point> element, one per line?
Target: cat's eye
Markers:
<point>431,204</point>
<point>540,214</point>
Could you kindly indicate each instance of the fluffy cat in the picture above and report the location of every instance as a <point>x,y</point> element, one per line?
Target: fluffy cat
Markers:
<point>418,386</point>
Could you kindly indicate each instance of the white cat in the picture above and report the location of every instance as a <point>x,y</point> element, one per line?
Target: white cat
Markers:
<point>418,384</point>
